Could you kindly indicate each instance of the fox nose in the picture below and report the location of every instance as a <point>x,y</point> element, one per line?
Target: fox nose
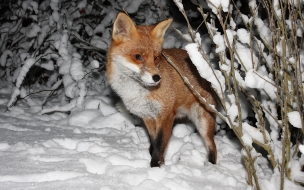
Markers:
<point>156,78</point>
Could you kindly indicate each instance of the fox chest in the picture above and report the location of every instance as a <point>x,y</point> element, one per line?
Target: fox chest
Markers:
<point>136,98</point>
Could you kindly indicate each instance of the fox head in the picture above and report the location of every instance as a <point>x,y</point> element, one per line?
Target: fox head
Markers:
<point>136,50</point>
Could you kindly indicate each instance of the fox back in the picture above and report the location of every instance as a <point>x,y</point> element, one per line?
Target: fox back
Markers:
<point>152,89</point>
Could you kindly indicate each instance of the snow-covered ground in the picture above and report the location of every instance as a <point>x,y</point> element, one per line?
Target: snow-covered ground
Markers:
<point>101,149</point>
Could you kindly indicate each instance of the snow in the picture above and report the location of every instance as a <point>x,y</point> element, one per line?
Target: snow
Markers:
<point>109,18</point>
<point>48,66</point>
<point>253,81</point>
<point>246,138</point>
<point>182,130</point>
<point>84,117</point>
<point>230,36</point>
<point>245,57</point>
<point>301,148</point>
<point>276,7</point>
<point>252,5</point>
<point>23,71</point>
<point>76,69</point>
<point>217,80</point>
<point>255,133</point>
<point>31,5</point>
<point>179,4</point>
<point>132,6</point>
<point>243,35</point>
<point>25,68</point>
<point>55,16</point>
<point>216,4</point>
<point>264,30</point>
<point>295,119</point>
<point>258,79</point>
<point>82,4</point>
<point>4,56</point>
<point>99,148</point>
<point>232,109</point>
<point>34,31</point>
<point>218,39</point>
<point>94,64</point>
<point>245,18</point>
<point>89,30</point>
<point>41,177</point>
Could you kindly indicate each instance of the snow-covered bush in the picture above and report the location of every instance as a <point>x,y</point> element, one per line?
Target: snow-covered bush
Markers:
<point>257,70</point>
<point>58,47</point>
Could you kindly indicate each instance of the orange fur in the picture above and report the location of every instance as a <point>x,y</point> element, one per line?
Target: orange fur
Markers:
<point>151,88</point>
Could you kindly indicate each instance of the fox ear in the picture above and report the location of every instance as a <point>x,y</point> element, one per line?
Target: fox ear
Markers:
<point>123,28</point>
<point>160,29</point>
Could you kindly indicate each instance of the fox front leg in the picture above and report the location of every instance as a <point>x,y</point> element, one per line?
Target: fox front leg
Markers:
<point>159,133</point>
<point>157,157</point>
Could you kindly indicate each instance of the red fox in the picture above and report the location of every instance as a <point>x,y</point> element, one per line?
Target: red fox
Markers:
<point>152,89</point>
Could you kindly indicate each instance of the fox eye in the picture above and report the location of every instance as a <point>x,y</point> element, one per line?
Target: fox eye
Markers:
<point>137,57</point>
